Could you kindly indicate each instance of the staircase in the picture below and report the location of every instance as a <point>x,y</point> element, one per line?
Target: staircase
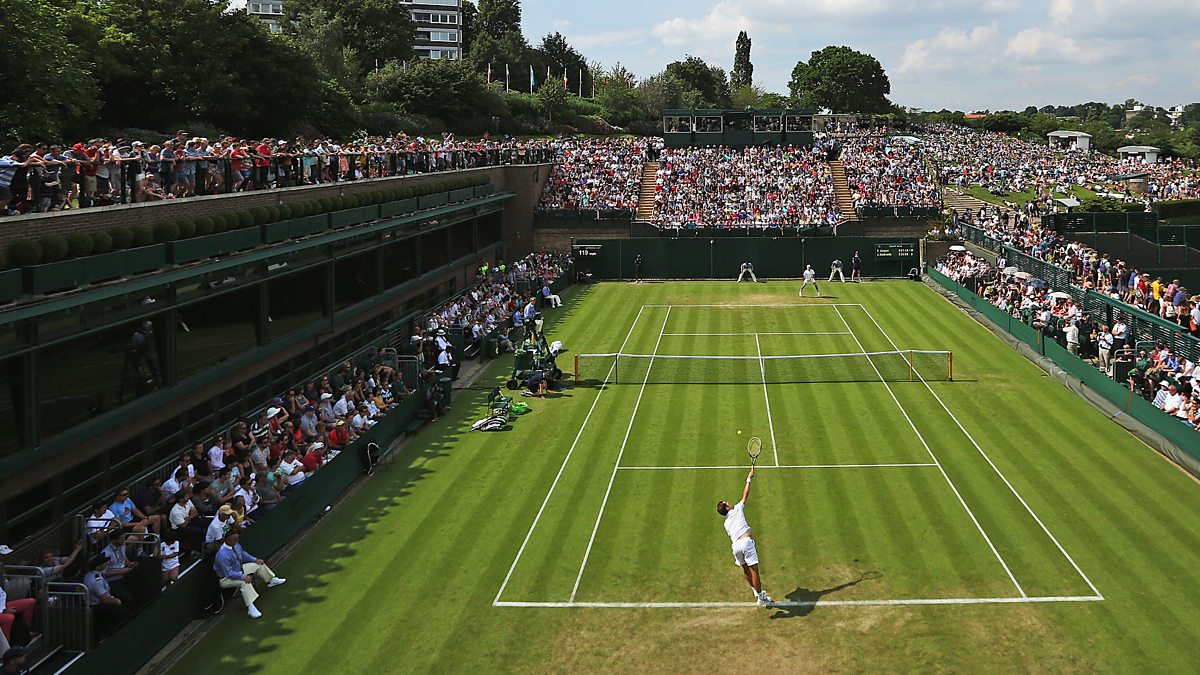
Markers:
<point>962,202</point>
<point>645,207</point>
<point>841,190</point>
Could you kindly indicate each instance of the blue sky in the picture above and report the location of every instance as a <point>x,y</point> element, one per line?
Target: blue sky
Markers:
<point>957,54</point>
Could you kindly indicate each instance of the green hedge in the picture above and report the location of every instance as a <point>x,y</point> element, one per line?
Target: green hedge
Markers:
<point>1186,208</point>
<point>54,248</point>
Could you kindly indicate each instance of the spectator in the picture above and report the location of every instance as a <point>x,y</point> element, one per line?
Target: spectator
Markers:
<point>237,569</point>
<point>218,527</point>
<point>119,566</point>
<point>130,516</point>
<point>107,609</point>
<point>185,520</point>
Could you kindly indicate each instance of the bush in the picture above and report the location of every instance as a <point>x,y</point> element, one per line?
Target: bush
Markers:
<point>244,219</point>
<point>261,215</point>
<point>274,213</point>
<point>326,204</point>
<point>79,245</point>
<point>204,226</point>
<point>286,211</point>
<point>164,232</point>
<point>122,238</point>
<point>142,236</point>
<point>1186,208</point>
<point>54,248</point>
<point>24,252</point>
<point>187,228</point>
<point>101,243</point>
<point>339,203</point>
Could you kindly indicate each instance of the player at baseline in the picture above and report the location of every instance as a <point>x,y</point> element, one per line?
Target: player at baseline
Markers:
<point>810,277</point>
<point>745,555</point>
<point>747,268</point>
<point>835,269</point>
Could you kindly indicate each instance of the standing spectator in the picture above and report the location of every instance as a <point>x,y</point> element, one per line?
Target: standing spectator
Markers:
<point>236,569</point>
<point>168,555</point>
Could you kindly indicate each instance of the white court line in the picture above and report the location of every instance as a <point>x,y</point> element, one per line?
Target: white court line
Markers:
<point>624,442</point>
<point>932,456</point>
<point>777,466</point>
<point>781,306</point>
<point>766,397</point>
<point>815,603</point>
<point>744,334</point>
<point>566,459</point>
<point>989,461</point>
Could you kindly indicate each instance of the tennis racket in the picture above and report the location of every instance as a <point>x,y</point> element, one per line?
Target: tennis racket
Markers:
<point>753,448</point>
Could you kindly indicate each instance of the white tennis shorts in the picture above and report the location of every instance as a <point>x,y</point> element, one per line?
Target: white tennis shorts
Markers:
<point>744,552</point>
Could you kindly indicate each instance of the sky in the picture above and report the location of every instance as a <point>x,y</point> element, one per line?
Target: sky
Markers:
<point>957,54</point>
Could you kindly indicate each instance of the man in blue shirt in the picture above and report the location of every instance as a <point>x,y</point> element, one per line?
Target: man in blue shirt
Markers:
<point>107,609</point>
<point>236,569</point>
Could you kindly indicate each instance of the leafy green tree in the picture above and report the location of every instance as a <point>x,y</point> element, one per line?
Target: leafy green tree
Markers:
<point>658,93</point>
<point>618,95</point>
<point>551,98</point>
<point>499,17</point>
<point>379,30</point>
<point>743,70</point>
<point>450,91</point>
<point>321,36</point>
<point>511,50</point>
<point>47,86</point>
<point>704,86</point>
<point>563,58</point>
<point>469,25</point>
<point>842,80</point>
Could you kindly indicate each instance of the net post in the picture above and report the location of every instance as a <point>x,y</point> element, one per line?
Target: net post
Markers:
<point>617,369</point>
<point>950,366</point>
<point>576,367</point>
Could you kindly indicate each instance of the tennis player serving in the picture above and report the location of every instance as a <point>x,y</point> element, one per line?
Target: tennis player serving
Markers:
<point>744,553</point>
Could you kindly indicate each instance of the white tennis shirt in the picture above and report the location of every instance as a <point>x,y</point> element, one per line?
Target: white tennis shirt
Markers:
<point>735,522</point>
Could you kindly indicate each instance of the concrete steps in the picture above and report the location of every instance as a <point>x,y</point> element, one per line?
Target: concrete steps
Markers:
<point>645,207</point>
<point>841,191</point>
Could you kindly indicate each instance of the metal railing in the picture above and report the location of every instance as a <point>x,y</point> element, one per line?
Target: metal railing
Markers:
<point>68,616</point>
<point>140,178</point>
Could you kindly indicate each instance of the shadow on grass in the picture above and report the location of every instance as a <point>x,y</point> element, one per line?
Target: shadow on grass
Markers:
<point>808,599</point>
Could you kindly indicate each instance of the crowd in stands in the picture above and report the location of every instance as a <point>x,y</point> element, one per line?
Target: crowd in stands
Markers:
<point>40,177</point>
<point>1004,165</point>
<point>1158,373</point>
<point>597,174</point>
<point>887,171</point>
<point>217,488</point>
<point>751,187</point>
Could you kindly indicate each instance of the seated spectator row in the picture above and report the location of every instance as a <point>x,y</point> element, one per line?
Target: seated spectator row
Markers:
<point>885,171</point>
<point>751,187</point>
<point>40,177</point>
<point>596,174</point>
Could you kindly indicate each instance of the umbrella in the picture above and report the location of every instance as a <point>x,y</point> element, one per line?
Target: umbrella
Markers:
<point>958,248</point>
<point>1010,270</point>
<point>1038,283</point>
<point>1059,295</point>
<point>1022,275</point>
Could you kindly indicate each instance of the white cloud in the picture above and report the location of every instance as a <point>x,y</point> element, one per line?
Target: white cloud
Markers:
<point>1061,10</point>
<point>947,49</point>
<point>611,38</point>
<point>561,24</point>
<point>1037,43</point>
<point>999,6</point>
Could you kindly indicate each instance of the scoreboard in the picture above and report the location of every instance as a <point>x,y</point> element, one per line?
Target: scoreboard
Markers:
<point>893,251</point>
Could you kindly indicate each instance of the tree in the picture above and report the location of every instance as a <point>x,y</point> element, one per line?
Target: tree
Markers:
<point>322,37</point>
<point>499,17</point>
<point>551,98</point>
<point>47,87</point>
<point>743,69</point>
<point>658,93</point>
<point>509,50</point>
<point>469,24</point>
<point>379,30</point>
<point>704,86</point>
<point>561,56</point>
<point>842,80</point>
<point>449,91</point>
<point>618,96</point>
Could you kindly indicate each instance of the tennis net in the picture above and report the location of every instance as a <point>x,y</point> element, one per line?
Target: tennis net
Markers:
<point>894,366</point>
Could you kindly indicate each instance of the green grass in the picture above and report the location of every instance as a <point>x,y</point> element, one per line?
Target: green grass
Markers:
<point>1020,198</point>
<point>402,577</point>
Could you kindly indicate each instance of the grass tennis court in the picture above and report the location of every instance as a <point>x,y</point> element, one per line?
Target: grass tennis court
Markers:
<point>993,521</point>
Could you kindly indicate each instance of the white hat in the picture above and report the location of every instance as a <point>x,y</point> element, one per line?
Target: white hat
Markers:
<point>271,412</point>
<point>326,396</point>
<point>4,549</point>
<point>316,446</point>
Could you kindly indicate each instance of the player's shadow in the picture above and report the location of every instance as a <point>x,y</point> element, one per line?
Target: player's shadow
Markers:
<point>806,600</point>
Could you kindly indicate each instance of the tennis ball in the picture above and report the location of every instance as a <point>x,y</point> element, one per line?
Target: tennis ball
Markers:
<point>739,432</point>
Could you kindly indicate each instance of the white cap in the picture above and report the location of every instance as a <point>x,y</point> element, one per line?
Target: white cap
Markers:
<point>4,549</point>
<point>326,396</point>
<point>271,412</point>
<point>316,446</point>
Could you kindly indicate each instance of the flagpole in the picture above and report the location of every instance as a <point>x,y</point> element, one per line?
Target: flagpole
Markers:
<point>531,78</point>
<point>581,83</point>
<point>489,77</point>
<point>506,77</point>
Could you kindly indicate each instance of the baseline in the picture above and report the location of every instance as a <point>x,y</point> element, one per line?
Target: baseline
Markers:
<point>561,469</point>
<point>934,457</point>
<point>814,603</point>
<point>777,466</point>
